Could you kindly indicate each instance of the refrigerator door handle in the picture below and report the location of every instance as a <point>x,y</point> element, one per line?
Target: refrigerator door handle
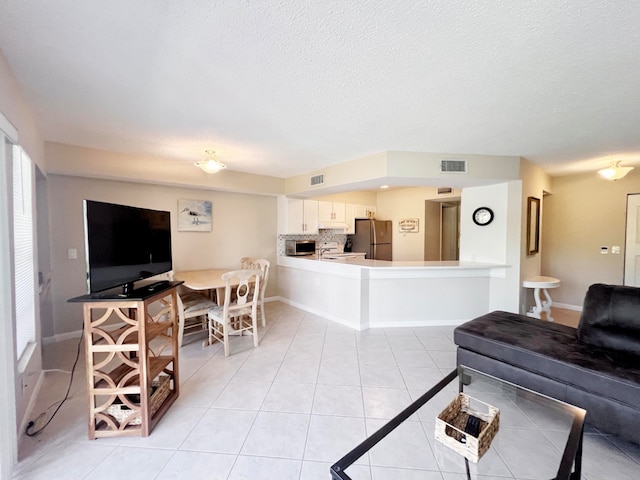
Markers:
<point>375,251</point>
<point>374,240</point>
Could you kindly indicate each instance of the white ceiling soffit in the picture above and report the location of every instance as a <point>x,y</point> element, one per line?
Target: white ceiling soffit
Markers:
<point>286,87</point>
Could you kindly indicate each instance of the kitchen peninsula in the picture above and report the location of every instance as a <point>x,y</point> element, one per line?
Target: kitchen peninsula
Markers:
<point>362,293</point>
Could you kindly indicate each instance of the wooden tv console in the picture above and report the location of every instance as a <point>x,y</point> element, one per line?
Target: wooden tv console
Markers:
<point>131,347</point>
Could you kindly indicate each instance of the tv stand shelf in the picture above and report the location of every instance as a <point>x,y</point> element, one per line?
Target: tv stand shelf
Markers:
<point>131,347</point>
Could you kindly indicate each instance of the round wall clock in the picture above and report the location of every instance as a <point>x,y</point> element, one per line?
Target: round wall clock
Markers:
<point>482,216</point>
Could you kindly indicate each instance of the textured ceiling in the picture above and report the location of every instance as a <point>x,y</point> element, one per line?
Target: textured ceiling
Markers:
<point>285,87</point>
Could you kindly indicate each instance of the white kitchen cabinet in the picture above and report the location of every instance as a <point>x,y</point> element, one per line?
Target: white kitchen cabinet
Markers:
<point>297,216</point>
<point>350,213</point>
<point>325,212</point>
<point>361,211</point>
<point>332,214</point>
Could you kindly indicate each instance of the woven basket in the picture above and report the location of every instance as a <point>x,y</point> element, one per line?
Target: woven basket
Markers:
<point>163,384</point>
<point>161,387</point>
<point>450,425</point>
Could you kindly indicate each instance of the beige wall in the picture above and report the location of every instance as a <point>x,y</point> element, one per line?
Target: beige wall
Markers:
<point>243,225</point>
<point>406,168</point>
<point>16,108</point>
<point>14,401</point>
<point>63,159</point>
<point>584,213</point>
<point>356,198</point>
<point>408,203</point>
<point>535,183</point>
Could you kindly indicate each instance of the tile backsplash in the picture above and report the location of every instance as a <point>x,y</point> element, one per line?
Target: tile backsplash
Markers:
<point>323,236</point>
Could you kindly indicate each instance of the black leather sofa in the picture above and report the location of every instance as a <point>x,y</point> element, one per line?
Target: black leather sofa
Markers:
<point>596,367</point>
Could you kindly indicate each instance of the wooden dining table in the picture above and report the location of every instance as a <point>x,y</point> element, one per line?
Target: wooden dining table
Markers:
<point>209,280</point>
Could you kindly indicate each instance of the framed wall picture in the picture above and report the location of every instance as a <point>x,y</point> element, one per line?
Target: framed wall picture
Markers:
<point>194,215</point>
<point>533,225</point>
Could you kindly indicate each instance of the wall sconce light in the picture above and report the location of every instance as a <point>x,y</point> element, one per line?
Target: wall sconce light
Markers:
<point>210,164</point>
<point>614,172</point>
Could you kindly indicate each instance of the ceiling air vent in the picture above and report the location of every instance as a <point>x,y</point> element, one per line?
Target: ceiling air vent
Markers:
<point>453,166</point>
<point>445,190</point>
<point>316,180</point>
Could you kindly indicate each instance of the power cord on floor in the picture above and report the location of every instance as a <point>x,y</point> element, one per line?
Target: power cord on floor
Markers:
<point>32,423</point>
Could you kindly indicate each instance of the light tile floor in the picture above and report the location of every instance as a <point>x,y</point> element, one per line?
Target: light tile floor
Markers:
<point>306,396</point>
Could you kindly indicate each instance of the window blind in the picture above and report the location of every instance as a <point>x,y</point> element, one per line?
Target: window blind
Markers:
<point>24,251</point>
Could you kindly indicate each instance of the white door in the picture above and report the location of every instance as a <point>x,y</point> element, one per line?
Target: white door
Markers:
<point>632,242</point>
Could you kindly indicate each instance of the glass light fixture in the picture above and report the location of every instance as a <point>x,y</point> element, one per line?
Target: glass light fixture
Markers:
<point>614,172</point>
<point>210,164</point>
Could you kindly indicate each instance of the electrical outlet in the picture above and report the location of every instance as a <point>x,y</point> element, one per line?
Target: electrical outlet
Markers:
<point>615,249</point>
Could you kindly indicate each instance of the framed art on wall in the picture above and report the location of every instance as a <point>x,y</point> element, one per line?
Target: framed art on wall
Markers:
<point>533,225</point>
<point>194,215</point>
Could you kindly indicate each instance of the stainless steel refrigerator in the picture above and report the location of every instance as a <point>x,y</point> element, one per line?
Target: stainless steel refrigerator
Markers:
<point>373,237</point>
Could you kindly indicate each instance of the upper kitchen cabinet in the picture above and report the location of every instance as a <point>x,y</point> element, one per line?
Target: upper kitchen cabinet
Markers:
<point>332,215</point>
<point>353,212</point>
<point>297,216</point>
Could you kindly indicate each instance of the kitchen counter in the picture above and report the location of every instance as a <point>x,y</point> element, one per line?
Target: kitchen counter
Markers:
<point>368,263</point>
<point>363,293</point>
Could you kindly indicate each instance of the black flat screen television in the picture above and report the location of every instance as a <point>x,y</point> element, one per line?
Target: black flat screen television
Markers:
<point>124,244</point>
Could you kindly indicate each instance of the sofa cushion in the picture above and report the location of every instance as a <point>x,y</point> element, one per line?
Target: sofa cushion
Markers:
<point>611,318</point>
<point>553,351</point>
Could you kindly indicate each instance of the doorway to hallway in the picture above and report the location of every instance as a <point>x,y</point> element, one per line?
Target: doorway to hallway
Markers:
<point>632,242</point>
<point>442,230</point>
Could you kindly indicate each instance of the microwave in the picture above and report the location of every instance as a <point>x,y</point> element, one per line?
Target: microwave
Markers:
<point>300,247</point>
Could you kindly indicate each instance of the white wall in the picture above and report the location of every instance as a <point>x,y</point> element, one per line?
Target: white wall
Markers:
<point>243,225</point>
<point>498,242</point>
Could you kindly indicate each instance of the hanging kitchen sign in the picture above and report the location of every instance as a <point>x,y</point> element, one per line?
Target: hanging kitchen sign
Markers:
<point>408,225</point>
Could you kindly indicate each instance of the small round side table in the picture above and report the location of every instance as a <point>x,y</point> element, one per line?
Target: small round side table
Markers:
<point>541,283</point>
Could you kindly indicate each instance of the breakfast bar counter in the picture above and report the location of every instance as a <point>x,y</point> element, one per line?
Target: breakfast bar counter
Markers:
<point>363,293</point>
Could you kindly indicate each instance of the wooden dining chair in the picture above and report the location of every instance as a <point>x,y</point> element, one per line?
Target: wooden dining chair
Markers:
<point>247,262</point>
<point>264,265</point>
<point>192,308</point>
<point>239,314</point>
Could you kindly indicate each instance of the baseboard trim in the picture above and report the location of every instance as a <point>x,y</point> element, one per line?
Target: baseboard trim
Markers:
<point>566,306</point>
<point>60,337</point>
<point>29,411</point>
<point>321,314</point>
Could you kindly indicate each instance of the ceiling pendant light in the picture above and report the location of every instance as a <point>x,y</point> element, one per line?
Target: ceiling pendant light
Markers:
<point>615,171</point>
<point>210,164</point>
